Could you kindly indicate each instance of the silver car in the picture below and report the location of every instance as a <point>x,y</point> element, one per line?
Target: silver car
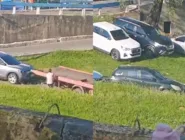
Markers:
<point>13,70</point>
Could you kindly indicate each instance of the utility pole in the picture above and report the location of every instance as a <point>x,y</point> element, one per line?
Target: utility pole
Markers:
<point>139,4</point>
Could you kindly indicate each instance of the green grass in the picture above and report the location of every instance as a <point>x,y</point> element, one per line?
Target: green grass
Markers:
<point>40,98</point>
<point>121,104</point>
<point>75,59</point>
<point>108,18</point>
<point>111,103</point>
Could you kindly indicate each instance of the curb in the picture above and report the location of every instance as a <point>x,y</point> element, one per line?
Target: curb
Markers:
<point>44,41</point>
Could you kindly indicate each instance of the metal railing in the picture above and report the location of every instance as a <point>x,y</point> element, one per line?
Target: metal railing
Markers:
<point>16,6</point>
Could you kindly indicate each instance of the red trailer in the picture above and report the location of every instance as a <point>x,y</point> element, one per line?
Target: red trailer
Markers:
<point>77,80</point>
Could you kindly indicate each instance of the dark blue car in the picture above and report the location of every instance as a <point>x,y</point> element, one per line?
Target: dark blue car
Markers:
<point>150,39</point>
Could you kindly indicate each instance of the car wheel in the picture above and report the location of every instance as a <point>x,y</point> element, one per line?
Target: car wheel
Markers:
<point>12,78</point>
<point>164,90</point>
<point>78,90</point>
<point>115,54</point>
<point>149,52</point>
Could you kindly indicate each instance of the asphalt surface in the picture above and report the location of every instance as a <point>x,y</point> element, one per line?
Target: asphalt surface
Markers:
<point>85,44</point>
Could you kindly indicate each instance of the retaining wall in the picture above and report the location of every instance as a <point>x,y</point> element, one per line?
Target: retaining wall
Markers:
<point>18,28</point>
<point>18,124</point>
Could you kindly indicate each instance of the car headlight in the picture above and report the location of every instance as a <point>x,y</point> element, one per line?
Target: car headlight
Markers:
<point>157,44</point>
<point>171,46</point>
<point>177,88</point>
<point>125,49</point>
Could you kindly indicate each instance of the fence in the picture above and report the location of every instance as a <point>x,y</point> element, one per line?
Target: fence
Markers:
<point>14,6</point>
<point>83,5</point>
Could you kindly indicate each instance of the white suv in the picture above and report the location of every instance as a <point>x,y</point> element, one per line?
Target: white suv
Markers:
<point>112,40</point>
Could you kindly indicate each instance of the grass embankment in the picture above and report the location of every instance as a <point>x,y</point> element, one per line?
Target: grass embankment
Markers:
<point>40,98</point>
<point>111,103</point>
<point>120,104</point>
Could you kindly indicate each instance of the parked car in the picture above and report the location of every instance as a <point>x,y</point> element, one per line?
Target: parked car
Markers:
<point>179,44</point>
<point>145,77</point>
<point>97,76</point>
<point>113,40</point>
<point>152,42</point>
<point>13,70</point>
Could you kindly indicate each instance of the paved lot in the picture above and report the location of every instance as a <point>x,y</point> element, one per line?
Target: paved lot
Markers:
<point>85,44</point>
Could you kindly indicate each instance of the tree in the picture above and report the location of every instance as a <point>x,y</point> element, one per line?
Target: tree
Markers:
<point>155,13</point>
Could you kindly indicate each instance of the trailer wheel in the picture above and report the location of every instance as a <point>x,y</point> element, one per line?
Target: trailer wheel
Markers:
<point>78,90</point>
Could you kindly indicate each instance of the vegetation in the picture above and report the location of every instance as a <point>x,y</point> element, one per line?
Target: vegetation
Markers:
<point>111,103</point>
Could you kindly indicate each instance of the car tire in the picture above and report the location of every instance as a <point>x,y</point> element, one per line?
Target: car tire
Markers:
<point>13,78</point>
<point>149,52</point>
<point>115,54</point>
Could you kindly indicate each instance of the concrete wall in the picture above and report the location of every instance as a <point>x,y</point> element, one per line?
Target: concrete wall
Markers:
<point>17,28</point>
<point>21,124</point>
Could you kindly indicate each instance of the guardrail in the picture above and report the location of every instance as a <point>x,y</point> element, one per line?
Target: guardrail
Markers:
<point>106,5</point>
<point>83,5</point>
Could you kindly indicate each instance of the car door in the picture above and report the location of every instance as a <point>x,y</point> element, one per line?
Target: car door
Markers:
<point>132,76</point>
<point>119,75</point>
<point>3,69</point>
<point>107,40</point>
<point>141,36</point>
<point>131,30</point>
<point>148,79</point>
<point>126,75</point>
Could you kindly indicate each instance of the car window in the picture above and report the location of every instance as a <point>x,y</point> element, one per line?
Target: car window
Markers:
<point>151,32</point>
<point>119,34</point>
<point>132,73</point>
<point>1,62</point>
<point>140,31</point>
<point>122,24</point>
<point>181,39</point>
<point>121,72</point>
<point>10,60</point>
<point>96,29</point>
<point>105,34</point>
<point>118,22</point>
<point>145,75</point>
<point>131,27</point>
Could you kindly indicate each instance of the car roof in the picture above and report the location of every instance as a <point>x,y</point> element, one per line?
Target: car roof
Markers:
<point>180,36</point>
<point>133,67</point>
<point>3,54</point>
<point>106,26</point>
<point>137,22</point>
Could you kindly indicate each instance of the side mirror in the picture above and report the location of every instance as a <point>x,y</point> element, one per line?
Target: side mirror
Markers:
<point>3,64</point>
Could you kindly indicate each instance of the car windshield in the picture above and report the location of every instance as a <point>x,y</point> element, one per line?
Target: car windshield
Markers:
<point>119,34</point>
<point>152,32</point>
<point>159,75</point>
<point>10,60</point>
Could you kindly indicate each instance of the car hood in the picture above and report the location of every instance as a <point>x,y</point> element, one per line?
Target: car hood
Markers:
<point>163,40</point>
<point>22,67</point>
<point>128,43</point>
<point>173,82</point>
<point>97,76</point>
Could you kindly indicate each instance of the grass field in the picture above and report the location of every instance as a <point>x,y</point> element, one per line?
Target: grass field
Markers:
<point>111,103</point>
<point>121,104</point>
